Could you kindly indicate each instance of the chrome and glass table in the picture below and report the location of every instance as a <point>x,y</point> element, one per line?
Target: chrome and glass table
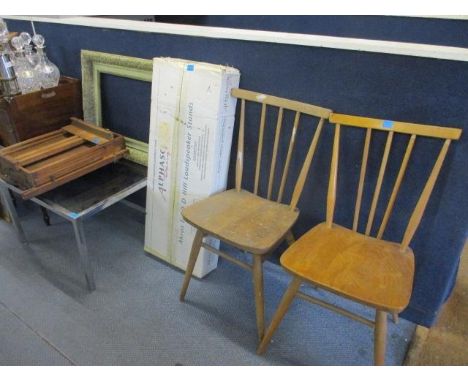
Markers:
<point>81,199</point>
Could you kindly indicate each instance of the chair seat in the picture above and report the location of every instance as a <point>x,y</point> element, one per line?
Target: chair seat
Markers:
<point>242,219</point>
<point>371,271</point>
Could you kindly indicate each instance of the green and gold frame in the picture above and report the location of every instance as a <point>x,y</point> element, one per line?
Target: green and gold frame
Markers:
<point>93,64</point>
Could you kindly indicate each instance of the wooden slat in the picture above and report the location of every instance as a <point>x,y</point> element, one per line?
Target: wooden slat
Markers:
<point>86,135</point>
<point>398,127</point>
<point>66,157</point>
<point>362,176</point>
<point>306,166</point>
<point>29,143</point>
<point>279,123</point>
<point>331,196</point>
<point>260,148</point>
<point>23,151</point>
<point>240,149</point>
<point>96,130</point>
<point>301,107</point>
<point>67,162</point>
<point>73,159</point>
<point>71,176</point>
<point>396,187</point>
<point>50,150</point>
<point>288,156</point>
<point>378,186</point>
<point>424,198</point>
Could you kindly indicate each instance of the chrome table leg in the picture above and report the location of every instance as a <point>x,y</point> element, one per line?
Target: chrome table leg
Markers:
<point>8,203</point>
<point>85,260</point>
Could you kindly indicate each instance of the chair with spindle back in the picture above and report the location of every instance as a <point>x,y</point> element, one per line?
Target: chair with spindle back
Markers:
<point>246,220</point>
<point>366,269</point>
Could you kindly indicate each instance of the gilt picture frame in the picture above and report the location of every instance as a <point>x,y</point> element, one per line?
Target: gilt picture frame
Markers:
<point>93,64</point>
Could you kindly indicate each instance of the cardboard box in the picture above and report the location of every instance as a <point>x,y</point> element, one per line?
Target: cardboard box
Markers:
<point>191,126</point>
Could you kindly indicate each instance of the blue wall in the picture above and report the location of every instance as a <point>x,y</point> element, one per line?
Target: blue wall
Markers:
<point>371,84</point>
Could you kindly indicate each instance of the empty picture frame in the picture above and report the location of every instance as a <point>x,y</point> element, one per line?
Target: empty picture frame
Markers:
<point>93,64</point>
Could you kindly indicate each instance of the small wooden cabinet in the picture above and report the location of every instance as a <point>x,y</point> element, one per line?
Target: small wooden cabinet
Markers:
<point>28,115</point>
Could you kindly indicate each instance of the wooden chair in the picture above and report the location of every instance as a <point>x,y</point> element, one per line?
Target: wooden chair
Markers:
<point>357,266</point>
<point>243,219</point>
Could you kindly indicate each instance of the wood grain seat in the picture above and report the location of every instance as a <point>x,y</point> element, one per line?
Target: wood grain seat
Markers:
<point>371,271</point>
<point>242,219</point>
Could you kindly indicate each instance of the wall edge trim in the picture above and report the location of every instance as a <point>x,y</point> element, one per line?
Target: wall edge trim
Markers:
<point>345,43</point>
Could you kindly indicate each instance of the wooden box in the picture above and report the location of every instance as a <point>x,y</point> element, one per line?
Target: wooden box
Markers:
<point>29,115</point>
<point>43,163</point>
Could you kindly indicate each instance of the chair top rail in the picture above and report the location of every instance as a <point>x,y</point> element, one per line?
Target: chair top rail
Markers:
<point>301,107</point>
<point>399,127</point>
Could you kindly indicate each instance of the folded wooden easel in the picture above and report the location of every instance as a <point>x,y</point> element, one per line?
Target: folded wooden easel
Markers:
<point>43,163</point>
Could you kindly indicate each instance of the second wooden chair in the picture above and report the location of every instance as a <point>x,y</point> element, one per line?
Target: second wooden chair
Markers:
<point>246,220</point>
<point>370,270</point>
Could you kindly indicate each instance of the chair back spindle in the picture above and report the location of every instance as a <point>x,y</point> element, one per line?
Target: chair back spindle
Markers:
<point>362,176</point>
<point>279,123</point>
<point>292,141</point>
<point>418,212</point>
<point>331,196</point>
<point>240,148</point>
<point>305,168</point>
<point>396,187</point>
<point>260,147</point>
<point>378,187</point>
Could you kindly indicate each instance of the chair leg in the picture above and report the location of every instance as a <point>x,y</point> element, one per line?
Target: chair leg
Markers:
<point>290,238</point>
<point>45,216</point>
<point>395,317</point>
<point>380,337</point>
<point>196,245</point>
<point>258,290</point>
<point>280,312</point>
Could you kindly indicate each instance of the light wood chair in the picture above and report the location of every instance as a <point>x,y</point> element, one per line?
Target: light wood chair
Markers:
<point>246,220</point>
<point>366,269</point>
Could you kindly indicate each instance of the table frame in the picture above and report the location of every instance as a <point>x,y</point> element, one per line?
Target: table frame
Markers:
<point>76,219</point>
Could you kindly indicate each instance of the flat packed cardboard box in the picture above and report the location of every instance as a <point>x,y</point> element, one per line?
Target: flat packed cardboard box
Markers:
<point>191,126</point>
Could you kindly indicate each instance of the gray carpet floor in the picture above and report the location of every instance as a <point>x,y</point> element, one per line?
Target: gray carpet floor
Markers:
<point>47,317</point>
